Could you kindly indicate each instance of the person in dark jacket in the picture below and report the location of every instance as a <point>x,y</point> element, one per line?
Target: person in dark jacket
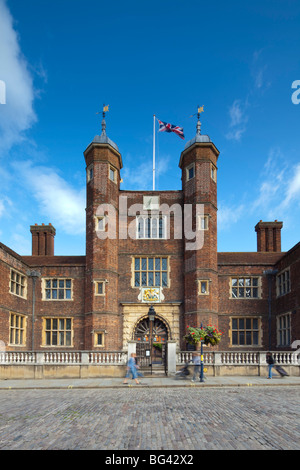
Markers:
<point>271,363</point>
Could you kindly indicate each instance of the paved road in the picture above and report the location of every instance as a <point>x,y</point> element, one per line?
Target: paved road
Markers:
<point>156,419</point>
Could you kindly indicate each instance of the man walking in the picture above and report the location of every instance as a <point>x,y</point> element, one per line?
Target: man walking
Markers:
<point>197,363</point>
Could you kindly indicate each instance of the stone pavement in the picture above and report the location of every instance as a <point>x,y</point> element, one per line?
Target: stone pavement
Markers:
<point>159,417</point>
<point>161,414</point>
<point>149,382</point>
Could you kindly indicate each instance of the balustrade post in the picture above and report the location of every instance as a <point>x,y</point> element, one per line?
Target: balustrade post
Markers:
<point>262,362</point>
<point>262,358</point>
<point>217,358</point>
<point>39,357</point>
<point>217,363</point>
<point>85,357</point>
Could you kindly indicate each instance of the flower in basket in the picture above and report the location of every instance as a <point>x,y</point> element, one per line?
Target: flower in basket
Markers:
<point>194,335</point>
<point>213,335</point>
<point>208,334</point>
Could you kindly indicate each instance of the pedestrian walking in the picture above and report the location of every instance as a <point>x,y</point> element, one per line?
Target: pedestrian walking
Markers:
<point>132,369</point>
<point>197,364</point>
<point>271,363</point>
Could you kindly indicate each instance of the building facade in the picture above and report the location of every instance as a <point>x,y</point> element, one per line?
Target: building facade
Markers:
<point>149,248</point>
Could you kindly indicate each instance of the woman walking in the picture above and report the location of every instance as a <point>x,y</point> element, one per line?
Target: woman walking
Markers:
<point>132,368</point>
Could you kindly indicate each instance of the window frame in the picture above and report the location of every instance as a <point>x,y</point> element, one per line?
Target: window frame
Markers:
<point>238,287</point>
<point>187,170</point>
<point>90,173</point>
<point>113,170</point>
<point>49,332</point>
<point>213,172</point>
<point>200,283</point>
<point>202,222</point>
<point>283,282</point>
<point>97,220</point>
<point>58,288</point>
<point>284,330</point>
<point>159,229</point>
<point>19,285</point>
<point>240,330</point>
<point>164,280</point>
<point>97,334</point>
<point>18,328</point>
<point>97,283</point>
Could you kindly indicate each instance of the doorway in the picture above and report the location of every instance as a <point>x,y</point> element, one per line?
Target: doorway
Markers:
<point>159,343</point>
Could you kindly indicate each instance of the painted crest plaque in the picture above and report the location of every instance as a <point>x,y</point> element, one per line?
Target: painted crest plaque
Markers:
<point>151,294</point>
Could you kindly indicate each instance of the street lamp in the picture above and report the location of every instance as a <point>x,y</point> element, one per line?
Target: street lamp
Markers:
<point>151,317</point>
<point>201,361</point>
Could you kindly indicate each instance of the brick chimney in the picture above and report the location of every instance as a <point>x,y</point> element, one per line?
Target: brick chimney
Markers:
<point>268,236</point>
<point>42,240</point>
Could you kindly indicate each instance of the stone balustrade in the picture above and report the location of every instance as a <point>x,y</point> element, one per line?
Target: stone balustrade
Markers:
<point>77,364</point>
<point>63,357</point>
<point>231,358</point>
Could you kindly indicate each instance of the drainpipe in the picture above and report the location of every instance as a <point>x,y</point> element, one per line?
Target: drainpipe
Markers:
<point>34,276</point>
<point>269,274</point>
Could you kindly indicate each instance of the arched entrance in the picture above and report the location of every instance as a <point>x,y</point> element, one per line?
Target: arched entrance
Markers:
<point>143,343</point>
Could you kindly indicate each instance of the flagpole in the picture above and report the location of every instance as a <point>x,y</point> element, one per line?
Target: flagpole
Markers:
<point>153,152</point>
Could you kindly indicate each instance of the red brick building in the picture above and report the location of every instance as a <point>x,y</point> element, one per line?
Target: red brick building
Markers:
<point>143,248</point>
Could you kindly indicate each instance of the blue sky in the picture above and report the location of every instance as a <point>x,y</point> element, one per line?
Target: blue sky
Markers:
<point>61,60</point>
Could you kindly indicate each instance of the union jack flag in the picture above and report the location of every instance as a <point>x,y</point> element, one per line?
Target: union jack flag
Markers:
<point>166,127</point>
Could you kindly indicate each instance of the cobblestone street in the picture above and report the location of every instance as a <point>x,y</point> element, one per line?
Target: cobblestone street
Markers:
<point>156,419</point>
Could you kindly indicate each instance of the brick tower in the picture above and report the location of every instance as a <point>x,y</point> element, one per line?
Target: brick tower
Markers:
<point>102,318</point>
<point>198,162</point>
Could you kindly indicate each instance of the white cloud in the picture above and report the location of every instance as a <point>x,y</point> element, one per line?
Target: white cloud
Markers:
<point>277,197</point>
<point>141,177</point>
<point>259,71</point>
<point>279,190</point>
<point>57,200</point>
<point>4,203</point>
<point>229,215</point>
<point>235,113</point>
<point>292,187</point>
<point>1,207</point>
<point>17,115</point>
<point>238,109</point>
<point>20,242</point>
<point>238,120</point>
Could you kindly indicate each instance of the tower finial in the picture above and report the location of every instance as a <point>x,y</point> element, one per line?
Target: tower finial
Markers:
<point>104,110</point>
<point>200,110</point>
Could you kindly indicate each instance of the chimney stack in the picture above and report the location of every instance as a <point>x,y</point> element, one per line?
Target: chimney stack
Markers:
<point>42,239</point>
<point>268,236</point>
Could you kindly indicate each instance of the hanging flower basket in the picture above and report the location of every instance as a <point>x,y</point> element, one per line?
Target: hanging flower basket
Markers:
<point>208,334</point>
